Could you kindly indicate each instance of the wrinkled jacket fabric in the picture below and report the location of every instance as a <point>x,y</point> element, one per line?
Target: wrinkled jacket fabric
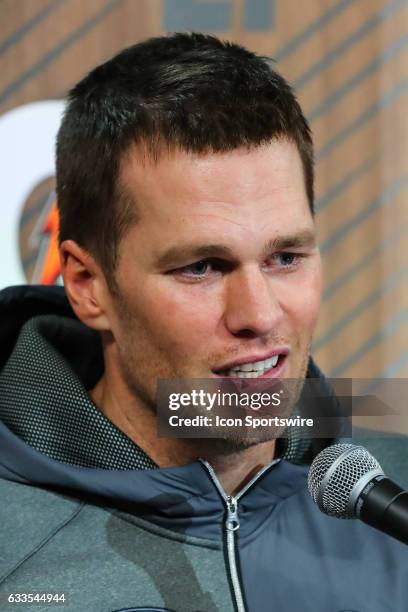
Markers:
<point>87,514</point>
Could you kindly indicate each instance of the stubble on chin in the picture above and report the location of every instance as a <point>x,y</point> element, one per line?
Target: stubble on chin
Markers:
<point>236,440</point>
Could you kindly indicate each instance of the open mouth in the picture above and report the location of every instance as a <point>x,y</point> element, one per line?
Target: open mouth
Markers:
<point>270,367</point>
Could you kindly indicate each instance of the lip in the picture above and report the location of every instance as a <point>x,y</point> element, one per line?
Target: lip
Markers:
<point>253,358</point>
<point>267,382</point>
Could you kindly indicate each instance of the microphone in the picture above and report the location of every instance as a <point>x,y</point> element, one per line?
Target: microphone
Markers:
<point>346,481</point>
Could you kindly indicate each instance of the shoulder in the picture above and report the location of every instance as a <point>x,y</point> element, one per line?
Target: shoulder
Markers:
<point>29,516</point>
<point>390,449</point>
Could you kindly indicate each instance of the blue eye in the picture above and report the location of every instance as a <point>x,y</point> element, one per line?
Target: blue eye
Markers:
<point>199,268</point>
<point>287,259</point>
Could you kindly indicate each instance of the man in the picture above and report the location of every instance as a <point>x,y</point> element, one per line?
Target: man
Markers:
<point>188,251</point>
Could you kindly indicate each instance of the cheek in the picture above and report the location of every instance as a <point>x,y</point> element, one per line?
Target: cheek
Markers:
<point>311,296</point>
<point>184,316</point>
<point>302,302</point>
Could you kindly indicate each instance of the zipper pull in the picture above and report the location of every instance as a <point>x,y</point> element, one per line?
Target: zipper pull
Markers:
<point>232,514</point>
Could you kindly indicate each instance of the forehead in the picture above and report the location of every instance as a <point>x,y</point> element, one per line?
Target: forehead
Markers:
<point>247,188</point>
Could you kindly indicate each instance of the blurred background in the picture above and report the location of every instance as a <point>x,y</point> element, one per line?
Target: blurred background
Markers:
<point>348,62</point>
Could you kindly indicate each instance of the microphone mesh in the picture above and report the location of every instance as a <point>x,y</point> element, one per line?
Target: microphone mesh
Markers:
<point>333,495</point>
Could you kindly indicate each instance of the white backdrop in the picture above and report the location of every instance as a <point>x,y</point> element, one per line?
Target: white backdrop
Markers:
<point>27,143</point>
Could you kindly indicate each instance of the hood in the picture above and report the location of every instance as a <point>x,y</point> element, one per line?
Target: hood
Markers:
<point>53,436</point>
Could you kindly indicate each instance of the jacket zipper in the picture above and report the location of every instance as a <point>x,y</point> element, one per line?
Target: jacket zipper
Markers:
<point>232,525</point>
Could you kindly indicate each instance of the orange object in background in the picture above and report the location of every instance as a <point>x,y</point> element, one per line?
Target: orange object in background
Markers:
<point>51,265</point>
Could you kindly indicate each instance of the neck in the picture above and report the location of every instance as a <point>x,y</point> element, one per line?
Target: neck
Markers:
<point>234,467</point>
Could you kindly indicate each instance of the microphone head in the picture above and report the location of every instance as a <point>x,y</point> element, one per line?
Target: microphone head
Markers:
<point>337,476</point>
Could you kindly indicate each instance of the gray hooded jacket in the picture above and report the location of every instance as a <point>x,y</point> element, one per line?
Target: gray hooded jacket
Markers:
<point>87,517</point>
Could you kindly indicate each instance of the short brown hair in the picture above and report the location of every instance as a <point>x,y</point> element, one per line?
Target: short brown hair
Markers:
<point>185,91</point>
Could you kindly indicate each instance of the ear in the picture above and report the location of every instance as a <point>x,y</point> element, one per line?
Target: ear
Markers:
<point>85,285</point>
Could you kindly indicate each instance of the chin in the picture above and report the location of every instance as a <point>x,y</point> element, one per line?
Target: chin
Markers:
<point>232,444</point>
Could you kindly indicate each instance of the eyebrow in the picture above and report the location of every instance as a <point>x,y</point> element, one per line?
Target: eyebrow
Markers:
<point>304,239</point>
<point>177,255</point>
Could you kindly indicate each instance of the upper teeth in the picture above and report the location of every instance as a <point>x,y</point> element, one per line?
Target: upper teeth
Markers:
<point>252,370</point>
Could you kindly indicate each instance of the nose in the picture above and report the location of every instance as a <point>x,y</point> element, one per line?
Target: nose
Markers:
<point>252,308</point>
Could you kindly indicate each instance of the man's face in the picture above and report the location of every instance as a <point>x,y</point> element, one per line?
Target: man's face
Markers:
<point>221,270</point>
